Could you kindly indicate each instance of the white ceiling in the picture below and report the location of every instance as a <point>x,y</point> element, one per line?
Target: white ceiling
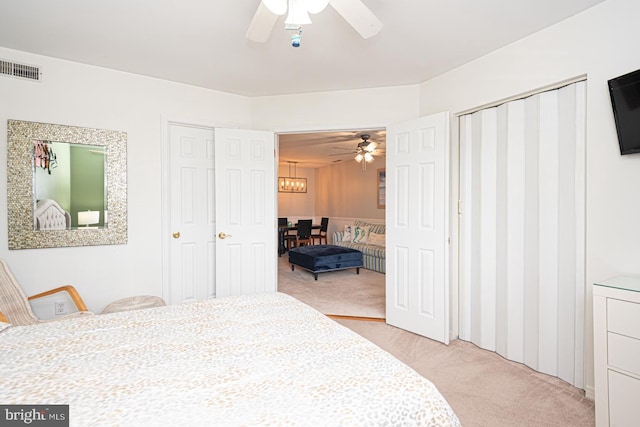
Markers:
<point>202,43</point>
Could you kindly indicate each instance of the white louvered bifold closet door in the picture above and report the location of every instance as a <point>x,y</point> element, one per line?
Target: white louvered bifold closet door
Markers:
<point>522,238</point>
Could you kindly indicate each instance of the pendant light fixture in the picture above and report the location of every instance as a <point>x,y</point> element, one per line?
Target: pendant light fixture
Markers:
<point>291,183</point>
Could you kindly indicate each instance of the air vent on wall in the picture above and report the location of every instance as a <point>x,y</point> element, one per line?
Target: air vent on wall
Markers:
<point>21,71</point>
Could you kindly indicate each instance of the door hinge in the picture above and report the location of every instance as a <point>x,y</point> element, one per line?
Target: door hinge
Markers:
<point>459,207</point>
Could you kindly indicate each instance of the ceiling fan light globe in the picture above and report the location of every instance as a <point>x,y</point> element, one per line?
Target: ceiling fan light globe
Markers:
<point>298,14</point>
<point>368,157</point>
<point>278,7</point>
<point>316,6</point>
<point>359,157</point>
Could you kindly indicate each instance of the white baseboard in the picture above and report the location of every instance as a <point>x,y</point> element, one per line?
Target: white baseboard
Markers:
<point>589,392</point>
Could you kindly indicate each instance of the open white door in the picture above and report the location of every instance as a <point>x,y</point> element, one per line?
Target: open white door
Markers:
<point>246,235</point>
<point>417,289</point>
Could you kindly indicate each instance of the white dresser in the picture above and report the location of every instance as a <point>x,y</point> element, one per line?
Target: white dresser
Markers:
<point>616,340</point>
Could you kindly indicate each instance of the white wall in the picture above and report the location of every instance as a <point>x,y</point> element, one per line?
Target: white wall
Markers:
<point>600,43</point>
<point>350,109</point>
<point>79,95</point>
<point>344,190</point>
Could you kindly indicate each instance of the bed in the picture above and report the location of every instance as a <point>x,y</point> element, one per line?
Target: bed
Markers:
<point>48,215</point>
<point>247,360</point>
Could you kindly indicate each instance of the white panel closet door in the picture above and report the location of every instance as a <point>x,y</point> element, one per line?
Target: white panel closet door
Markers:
<point>192,247</point>
<point>522,243</point>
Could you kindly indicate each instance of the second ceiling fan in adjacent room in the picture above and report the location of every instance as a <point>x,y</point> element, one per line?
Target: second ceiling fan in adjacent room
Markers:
<point>364,151</point>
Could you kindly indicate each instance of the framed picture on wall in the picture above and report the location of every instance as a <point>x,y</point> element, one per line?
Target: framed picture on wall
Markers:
<point>381,189</point>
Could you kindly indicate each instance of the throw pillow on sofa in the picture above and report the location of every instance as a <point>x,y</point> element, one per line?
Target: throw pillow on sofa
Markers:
<point>347,234</point>
<point>376,239</point>
<point>360,234</point>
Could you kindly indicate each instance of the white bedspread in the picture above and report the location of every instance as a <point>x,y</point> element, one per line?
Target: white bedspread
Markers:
<point>250,360</point>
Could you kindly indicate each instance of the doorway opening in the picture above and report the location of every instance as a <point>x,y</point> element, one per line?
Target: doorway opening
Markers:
<point>344,190</point>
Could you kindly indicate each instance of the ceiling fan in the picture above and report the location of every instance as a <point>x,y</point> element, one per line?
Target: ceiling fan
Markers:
<point>353,11</point>
<point>364,151</point>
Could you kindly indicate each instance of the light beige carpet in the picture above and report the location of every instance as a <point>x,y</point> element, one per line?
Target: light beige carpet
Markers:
<point>342,292</point>
<point>483,388</point>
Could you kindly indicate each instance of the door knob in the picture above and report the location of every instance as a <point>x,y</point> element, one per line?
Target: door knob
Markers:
<point>176,235</point>
<point>223,235</point>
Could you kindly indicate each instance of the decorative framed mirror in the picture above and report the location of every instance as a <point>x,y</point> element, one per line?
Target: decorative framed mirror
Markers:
<point>66,186</point>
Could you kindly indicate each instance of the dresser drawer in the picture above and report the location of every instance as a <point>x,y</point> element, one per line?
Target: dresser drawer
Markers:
<point>623,353</point>
<point>623,397</point>
<point>622,317</point>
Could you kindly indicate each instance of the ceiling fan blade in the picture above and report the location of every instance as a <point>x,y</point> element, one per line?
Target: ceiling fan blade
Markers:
<point>358,16</point>
<point>261,25</point>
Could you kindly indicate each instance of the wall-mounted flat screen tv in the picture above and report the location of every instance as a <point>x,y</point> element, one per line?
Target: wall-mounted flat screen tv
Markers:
<point>625,100</point>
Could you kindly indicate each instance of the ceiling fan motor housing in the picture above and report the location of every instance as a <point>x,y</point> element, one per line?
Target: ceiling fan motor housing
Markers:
<point>365,137</point>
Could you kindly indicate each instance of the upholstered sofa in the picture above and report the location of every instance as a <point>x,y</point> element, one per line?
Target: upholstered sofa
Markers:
<point>373,250</point>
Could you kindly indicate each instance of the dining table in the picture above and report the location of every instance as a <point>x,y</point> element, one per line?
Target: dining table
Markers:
<point>283,230</point>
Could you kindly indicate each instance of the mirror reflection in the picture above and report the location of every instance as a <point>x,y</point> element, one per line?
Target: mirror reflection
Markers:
<point>69,186</point>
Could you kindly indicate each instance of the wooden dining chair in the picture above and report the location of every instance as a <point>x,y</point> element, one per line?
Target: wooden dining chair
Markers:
<point>286,236</point>
<point>322,233</point>
<point>303,234</point>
